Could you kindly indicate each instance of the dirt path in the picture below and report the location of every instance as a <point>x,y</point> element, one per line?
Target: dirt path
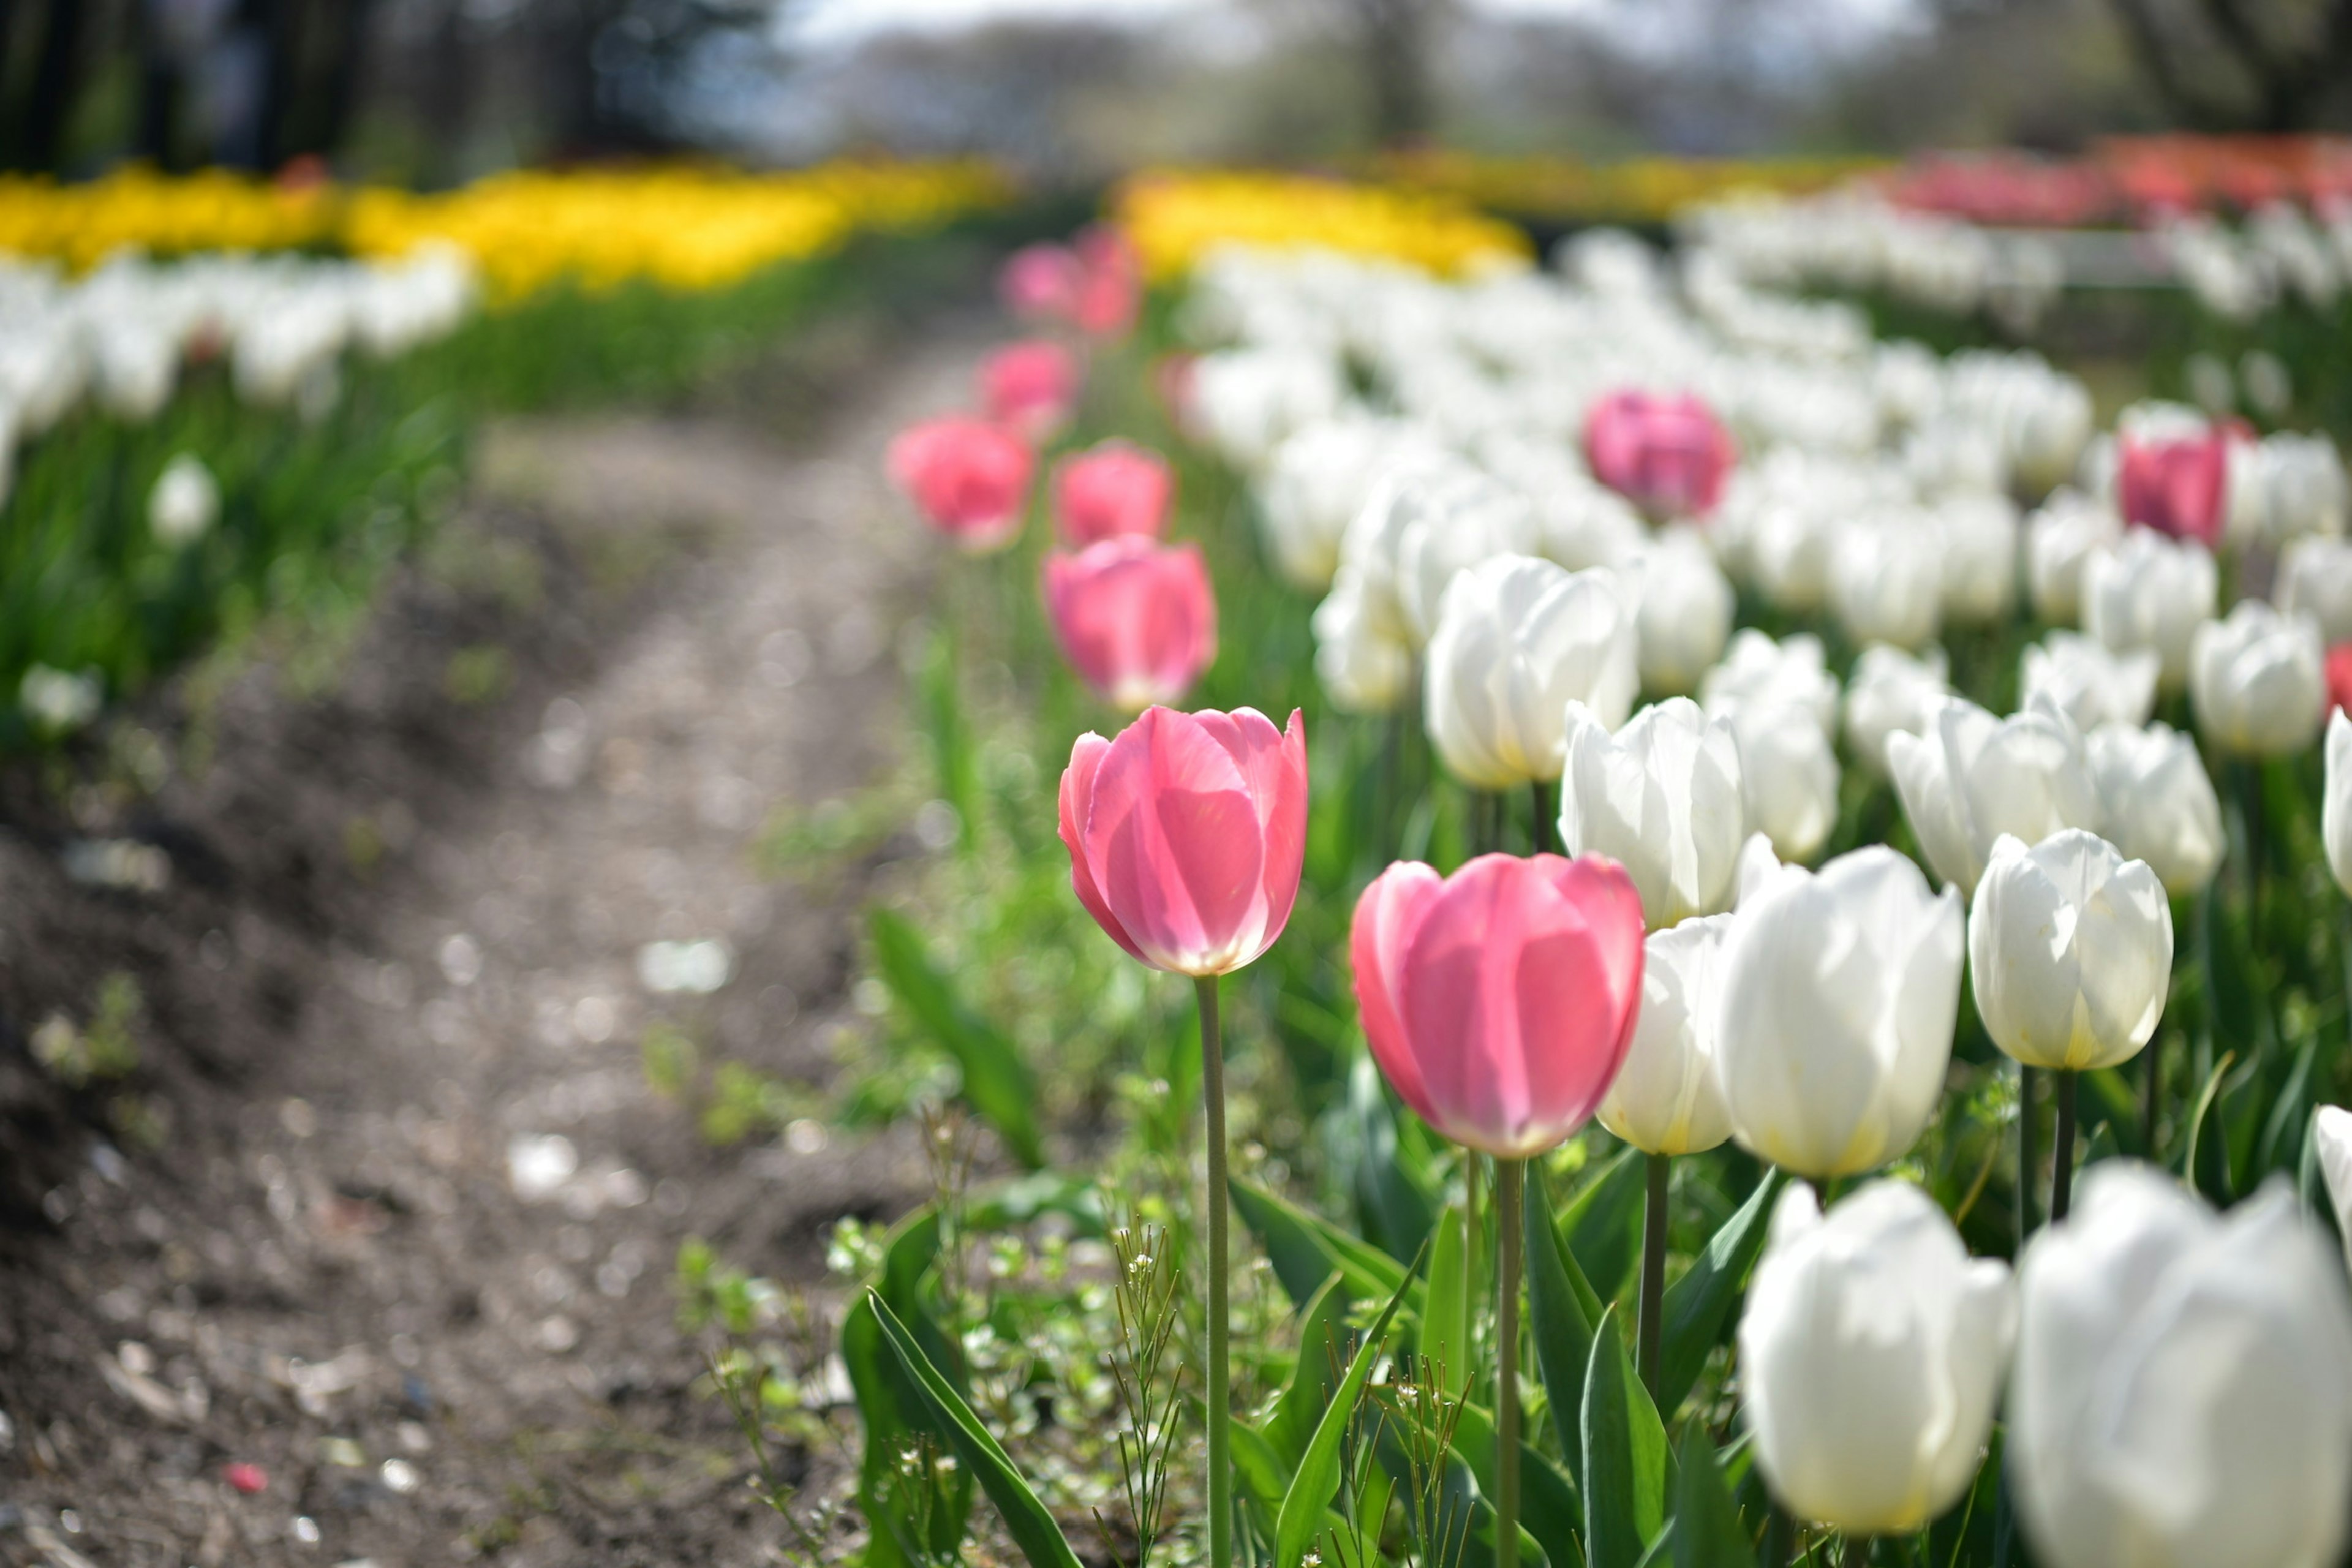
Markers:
<point>407,1244</point>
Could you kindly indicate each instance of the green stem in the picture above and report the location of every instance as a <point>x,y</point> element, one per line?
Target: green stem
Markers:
<point>1650,1333</point>
<point>2027,1161</point>
<point>2151,1094</point>
<point>1509,1176</point>
<point>1857,1552</point>
<point>1546,841</point>
<point>1221,1388</point>
<point>1779,1538</point>
<point>2062,1153</point>
<point>1472,1233</point>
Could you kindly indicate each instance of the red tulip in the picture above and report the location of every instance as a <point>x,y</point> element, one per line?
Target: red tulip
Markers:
<point>2180,486</point>
<point>1112,488</point>
<point>968,478</point>
<point>1186,834</point>
<point>1666,454</point>
<point>1137,619</point>
<point>1041,282</point>
<point>2340,677</point>
<point>1030,387</point>
<point>1500,1001</point>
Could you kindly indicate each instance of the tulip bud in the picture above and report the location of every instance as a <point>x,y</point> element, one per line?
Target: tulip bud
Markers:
<point>2335,801</point>
<point>2070,951</point>
<point>1500,1002</point>
<point>1886,579</point>
<point>1973,777</point>
<point>2157,803</point>
<point>1187,833</point>
<point>1661,797</point>
<point>2090,684</point>
<point>1685,609</point>
<point>1030,387</point>
<point>1518,640</point>
<point>2060,540</point>
<point>1870,1352</point>
<point>2315,580</point>
<point>2147,591</point>
<point>969,479</point>
<point>1665,1098</point>
<point>186,501</point>
<point>1666,454</point>
<point>1890,691</point>
<point>2257,681</point>
<point>1834,1026</point>
<point>1112,488</point>
<point>2182,1394</point>
<point>1137,619</point>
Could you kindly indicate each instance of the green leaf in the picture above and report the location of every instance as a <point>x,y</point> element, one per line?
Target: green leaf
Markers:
<point>1393,1193</point>
<point>1707,1532</point>
<point>1305,1248</point>
<point>1604,1222</point>
<point>1698,1304</point>
<point>1316,1481</point>
<point>1263,1473</point>
<point>1624,1456</point>
<point>1444,1336</point>
<point>1550,1513</point>
<point>1323,1325</point>
<point>995,1079</point>
<point>1026,1520</point>
<point>1561,1315</point>
<point>888,1406</point>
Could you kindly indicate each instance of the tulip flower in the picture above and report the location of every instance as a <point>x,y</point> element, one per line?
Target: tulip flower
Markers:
<point>1979,535</point>
<point>2338,672</point>
<point>1247,401</point>
<point>1761,673</point>
<point>2315,580</point>
<point>1320,478</point>
<point>1871,1348</point>
<point>2060,540</point>
<point>186,501</point>
<point>1790,772</point>
<point>2157,802</point>
<point>968,478</point>
<point>1110,489</point>
<point>1973,777</point>
<point>1499,1003</point>
<point>2258,682</point>
<point>1518,640</point>
<point>2331,1136</point>
<point>2147,590</point>
<point>1662,797</point>
<point>2304,492</point>
<point>1187,834</point>
<point>2092,685</point>
<point>1668,454</point>
<point>1834,1022</point>
<point>1891,691</point>
<point>2336,802</point>
<point>1040,282</point>
<point>1886,579</point>
<point>1666,1099</point>
<point>1030,387</point>
<point>2182,1392</point>
<point>1684,610</point>
<point>1449,522</point>
<point>1137,619</point>
<point>1110,282</point>
<point>2179,488</point>
<point>1362,668</point>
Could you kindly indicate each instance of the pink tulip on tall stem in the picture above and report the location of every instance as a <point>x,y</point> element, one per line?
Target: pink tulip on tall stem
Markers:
<point>1499,1004</point>
<point>1137,619</point>
<point>1187,833</point>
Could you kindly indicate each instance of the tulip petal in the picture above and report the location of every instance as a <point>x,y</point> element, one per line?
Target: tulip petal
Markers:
<point>1078,795</point>
<point>1387,914</point>
<point>1173,837</point>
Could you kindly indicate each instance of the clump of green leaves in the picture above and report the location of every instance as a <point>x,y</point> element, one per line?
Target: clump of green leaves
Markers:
<point>103,1050</point>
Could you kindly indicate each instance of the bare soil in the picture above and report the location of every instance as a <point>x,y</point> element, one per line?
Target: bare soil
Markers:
<point>387,1208</point>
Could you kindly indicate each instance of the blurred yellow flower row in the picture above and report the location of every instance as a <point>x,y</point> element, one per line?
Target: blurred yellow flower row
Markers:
<point>683,227</point>
<point>1637,190</point>
<point>1175,215</point>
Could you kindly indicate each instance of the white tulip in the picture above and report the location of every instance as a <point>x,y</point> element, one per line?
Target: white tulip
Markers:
<point>2070,951</point>
<point>1891,691</point>
<point>1519,640</point>
<point>2257,681</point>
<point>1886,579</point>
<point>1666,1099</point>
<point>1662,797</point>
<point>1979,574</point>
<point>1318,480</point>
<point>186,501</point>
<point>2302,488</point>
<point>1759,673</point>
<point>2147,591</point>
<point>1455,522</point>
<point>1685,611</point>
<point>2315,580</point>
<point>2091,684</point>
<point>2157,803</point>
<point>1248,400</point>
<point>2336,802</point>
<point>2060,540</point>
<point>1364,668</point>
<point>1834,1026</point>
<point>2182,1393</point>
<point>1871,1349</point>
<point>1579,521</point>
<point>1972,777</point>
<point>2331,1132</point>
<point>1791,772</point>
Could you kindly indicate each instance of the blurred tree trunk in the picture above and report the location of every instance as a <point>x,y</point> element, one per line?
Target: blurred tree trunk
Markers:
<point>34,135</point>
<point>2290,79</point>
<point>162,83</point>
<point>1397,37</point>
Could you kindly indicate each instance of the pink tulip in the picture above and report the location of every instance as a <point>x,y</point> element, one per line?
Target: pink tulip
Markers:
<point>1110,283</point>
<point>1112,488</point>
<point>1186,835</point>
<point>968,478</point>
<point>1136,618</point>
<point>1030,387</point>
<point>1666,454</point>
<point>2180,486</point>
<point>1500,1001</point>
<point>1041,282</point>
